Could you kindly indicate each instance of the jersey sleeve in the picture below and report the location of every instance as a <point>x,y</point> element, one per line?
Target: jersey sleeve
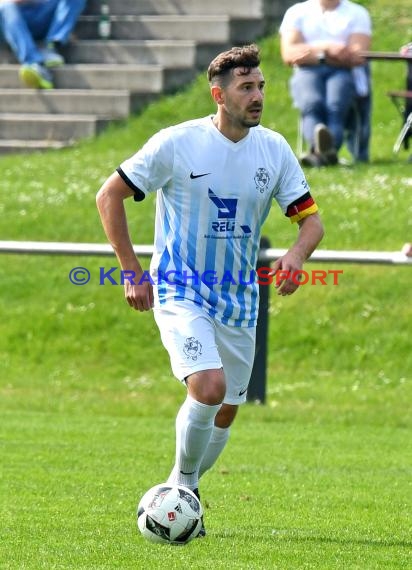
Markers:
<point>293,192</point>
<point>151,167</point>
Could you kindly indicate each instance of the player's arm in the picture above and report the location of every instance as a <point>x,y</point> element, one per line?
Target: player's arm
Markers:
<point>285,268</point>
<point>110,203</point>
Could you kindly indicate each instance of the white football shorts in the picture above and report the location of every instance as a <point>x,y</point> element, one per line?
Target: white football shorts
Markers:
<point>195,341</point>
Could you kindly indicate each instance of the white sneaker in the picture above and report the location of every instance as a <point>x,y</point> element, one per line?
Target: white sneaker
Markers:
<point>51,58</point>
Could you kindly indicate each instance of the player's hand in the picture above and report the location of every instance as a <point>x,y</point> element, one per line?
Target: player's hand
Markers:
<point>287,272</point>
<point>139,297</point>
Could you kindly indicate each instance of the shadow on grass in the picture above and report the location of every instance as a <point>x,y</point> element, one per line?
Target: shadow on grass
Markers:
<point>297,535</point>
<point>304,535</point>
<point>385,161</point>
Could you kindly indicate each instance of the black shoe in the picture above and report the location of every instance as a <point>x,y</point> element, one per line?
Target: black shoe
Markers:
<point>311,159</point>
<point>325,145</point>
<point>202,531</point>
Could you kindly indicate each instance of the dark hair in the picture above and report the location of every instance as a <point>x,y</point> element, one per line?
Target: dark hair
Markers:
<point>247,57</point>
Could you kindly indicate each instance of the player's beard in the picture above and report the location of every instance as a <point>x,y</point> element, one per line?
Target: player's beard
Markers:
<point>250,122</point>
<point>241,119</point>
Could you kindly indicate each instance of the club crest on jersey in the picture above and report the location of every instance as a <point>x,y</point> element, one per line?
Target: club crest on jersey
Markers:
<point>262,179</point>
<point>192,348</point>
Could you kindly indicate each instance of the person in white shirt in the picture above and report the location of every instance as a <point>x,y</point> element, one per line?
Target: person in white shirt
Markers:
<point>322,40</point>
<point>215,178</point>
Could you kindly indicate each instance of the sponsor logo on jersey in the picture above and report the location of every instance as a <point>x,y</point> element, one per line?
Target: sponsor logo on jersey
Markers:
<point>226,206</point>
<point>193,176</point>
<point>225,225</point>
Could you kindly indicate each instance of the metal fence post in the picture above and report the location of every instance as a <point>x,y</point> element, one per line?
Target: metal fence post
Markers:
<point>257,386</point>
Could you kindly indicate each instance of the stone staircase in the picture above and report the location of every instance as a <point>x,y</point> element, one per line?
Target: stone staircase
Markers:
<point>155,47</point>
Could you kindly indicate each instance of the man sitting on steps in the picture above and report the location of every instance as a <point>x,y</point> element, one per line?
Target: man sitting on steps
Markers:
<point>34,29</point>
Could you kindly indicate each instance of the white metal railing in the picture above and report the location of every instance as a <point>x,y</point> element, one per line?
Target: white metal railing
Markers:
<point>267,255</point>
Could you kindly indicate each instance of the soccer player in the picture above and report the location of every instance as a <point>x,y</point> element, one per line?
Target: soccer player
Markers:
<point>216,178</point>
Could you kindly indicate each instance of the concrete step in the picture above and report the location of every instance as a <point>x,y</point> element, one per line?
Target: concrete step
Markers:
<point>173,54</point>
<point>203,29</point>
<point>138,79</point>
<point>212,29</point>
<point>135,78</point>
<point>49,127</point>
<point>13,146</point>
<point>104,103</point>
<point>168,54</point>
<point>237,8</point>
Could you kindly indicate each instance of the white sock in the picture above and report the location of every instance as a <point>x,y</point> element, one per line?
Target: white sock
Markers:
<point>194,426</point>
<point>214,449</point>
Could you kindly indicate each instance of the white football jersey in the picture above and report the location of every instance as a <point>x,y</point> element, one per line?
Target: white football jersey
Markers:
<point>213,196</point>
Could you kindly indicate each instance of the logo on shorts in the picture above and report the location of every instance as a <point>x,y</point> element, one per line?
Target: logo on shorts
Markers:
<point>192,348</point>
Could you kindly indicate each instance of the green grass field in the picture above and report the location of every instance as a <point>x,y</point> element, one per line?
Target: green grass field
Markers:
<point>318,478</point>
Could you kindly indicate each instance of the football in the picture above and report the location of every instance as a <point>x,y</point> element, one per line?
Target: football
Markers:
<point>169,514</point>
